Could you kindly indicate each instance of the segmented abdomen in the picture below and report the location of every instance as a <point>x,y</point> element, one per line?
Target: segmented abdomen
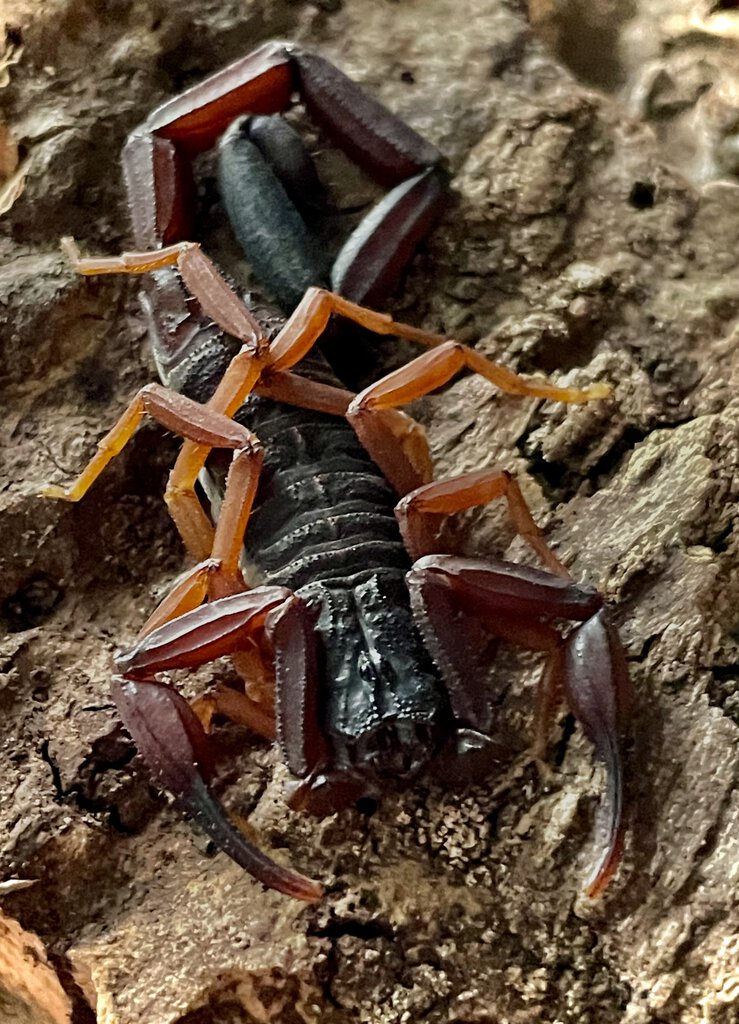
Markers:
<point>324,511</point>
<point>323,525</point>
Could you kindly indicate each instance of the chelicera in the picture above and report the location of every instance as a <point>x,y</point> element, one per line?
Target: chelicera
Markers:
<point>317,567</point>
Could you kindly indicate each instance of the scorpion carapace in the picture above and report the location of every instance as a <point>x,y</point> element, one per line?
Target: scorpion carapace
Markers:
<point>354,641</point>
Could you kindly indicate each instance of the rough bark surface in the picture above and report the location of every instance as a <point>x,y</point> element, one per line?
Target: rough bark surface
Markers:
<point>576,247</point>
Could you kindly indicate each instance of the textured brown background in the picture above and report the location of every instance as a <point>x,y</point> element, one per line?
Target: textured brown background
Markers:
<point>594,236</point>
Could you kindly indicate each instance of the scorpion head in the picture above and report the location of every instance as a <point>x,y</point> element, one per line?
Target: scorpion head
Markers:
<point>386,709</point>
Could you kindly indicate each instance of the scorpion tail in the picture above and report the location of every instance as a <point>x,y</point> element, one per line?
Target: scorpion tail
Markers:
<point>175,747</point>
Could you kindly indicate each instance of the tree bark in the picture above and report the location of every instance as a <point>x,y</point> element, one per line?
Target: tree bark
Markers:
<point>583,243</point>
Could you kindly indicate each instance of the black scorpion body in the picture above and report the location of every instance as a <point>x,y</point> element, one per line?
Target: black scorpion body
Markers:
<point>323,525</point>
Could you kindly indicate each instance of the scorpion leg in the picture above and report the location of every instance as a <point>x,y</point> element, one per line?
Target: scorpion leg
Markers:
<point>220,576</point>
<point>201,276</point>
<point>168,733</point>
<point>225,547</point>
<point>420,513</point>
<point>425,374</point>
<point>393,439</point>
<point>188,592</point>
<point>388,430</point>
<point>518,603</point>
<point>217,573</point>
<point>205,429</point>
<point>433,369</point>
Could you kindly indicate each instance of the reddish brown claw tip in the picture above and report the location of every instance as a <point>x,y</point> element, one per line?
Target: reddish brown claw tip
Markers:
<point>611,858</point>
<point>174,745</point>
<point>606,869</point>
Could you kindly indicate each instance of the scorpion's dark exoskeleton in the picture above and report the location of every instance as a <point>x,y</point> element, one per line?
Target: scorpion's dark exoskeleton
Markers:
<point>354,654</point>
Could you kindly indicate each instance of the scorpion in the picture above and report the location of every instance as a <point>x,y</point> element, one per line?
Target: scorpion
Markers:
<point>315,541</point>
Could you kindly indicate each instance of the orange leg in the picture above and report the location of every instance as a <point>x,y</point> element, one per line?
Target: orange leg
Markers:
<point>394,440</point>
<point>237,707</point>
<point>220,576</point>
<point>255,366</point>
<point>199,273</point>
<point>392,431</point>
<point>205,429</point>
<point>383,435</point>
<point>432,370</point>
<point>217,574</point>
<point>420,512</point>
<point>218,300</point>
<point>189,592</point>
<point>192,522</point>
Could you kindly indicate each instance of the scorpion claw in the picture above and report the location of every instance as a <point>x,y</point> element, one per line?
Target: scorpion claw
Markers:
<point>599,693</point>
<point>611,857</point>
<point>174,745</point>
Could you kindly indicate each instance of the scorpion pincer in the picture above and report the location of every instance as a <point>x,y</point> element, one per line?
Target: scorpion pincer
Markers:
<point>354,635</point>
